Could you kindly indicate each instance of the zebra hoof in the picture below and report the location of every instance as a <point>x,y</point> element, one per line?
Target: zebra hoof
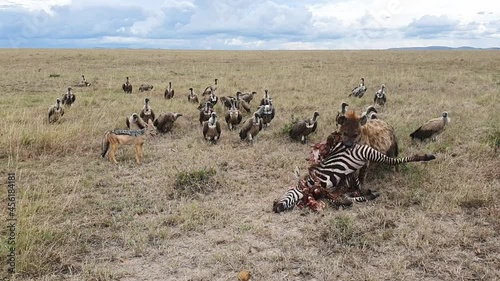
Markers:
<point>371,195</point>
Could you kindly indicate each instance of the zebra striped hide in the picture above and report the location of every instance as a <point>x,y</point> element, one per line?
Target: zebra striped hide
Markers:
<point>318,198</point>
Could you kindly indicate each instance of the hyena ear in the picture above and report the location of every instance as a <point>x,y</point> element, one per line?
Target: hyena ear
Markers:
<point>341,120</point>
<point>297,172</point>
<point>362,120</point>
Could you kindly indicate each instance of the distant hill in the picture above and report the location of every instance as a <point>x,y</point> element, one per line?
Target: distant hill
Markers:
<point>443,48</point>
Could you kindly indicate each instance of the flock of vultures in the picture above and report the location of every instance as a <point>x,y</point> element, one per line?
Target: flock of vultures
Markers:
<point>337,167</point>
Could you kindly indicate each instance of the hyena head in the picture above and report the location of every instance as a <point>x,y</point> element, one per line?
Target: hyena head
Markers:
<point>350,127</point>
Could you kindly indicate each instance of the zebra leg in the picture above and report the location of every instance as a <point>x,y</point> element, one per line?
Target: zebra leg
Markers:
<point>361,197</point>
<point>339,203</point>
<point>362,175</point>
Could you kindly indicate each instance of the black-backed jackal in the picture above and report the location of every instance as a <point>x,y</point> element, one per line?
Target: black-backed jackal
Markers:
<point>127,137</point>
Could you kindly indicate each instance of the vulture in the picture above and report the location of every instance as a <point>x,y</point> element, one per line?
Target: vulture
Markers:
<point>432,128</point>
<point>135,122</point>
<point>147,112</point>
<point>212,98</point>
<point>211,129</point>
<point>127,87</point>
<point>370,113</point>
<point>267,112</point>
<point>233,117</point>
<point>227,101</point>
<point>205,112</point>
<point>251,127</point>
<point>68,98</point>
<point>360,90</point>
<point>265,98</point>
<point>248,97</point>
<point>83,83</point>
<point>192,97</point>
<point>165,121</point>
<point>343,109</point>
<point>208,90</point>
<point>241,103</point>
<point>145,87</point>
<point>169,92</point>
<point>55,111</point>
<point>303,128</point>
<point>380,96</point>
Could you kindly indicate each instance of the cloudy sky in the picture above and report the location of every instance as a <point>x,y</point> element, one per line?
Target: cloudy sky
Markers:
<point>248,24</point>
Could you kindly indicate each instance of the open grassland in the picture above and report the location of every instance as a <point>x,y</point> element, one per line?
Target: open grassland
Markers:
<point>194,211</point>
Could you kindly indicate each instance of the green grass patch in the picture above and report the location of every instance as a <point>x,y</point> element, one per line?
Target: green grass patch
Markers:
<point>192,183</point>
<point>288,126</point>
<point>493,139</point>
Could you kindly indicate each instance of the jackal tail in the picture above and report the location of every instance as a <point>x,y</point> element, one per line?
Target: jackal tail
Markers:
<point>105,144</point>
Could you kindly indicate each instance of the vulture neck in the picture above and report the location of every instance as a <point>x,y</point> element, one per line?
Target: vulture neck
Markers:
<point>315,117</point>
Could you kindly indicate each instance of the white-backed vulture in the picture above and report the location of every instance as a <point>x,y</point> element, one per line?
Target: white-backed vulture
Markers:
<point>265,98</point>
<point>145,88</point>
<point>147,112</point>
<point>208,90</point>
<point>192,97</point>
<point>135,122</point>
<point>169,92</point>
<point>233,117</point>
<point>206,112</point>
<point>371,112</point>
<point>241,103</point>
<point>165,122</point>
<point>212,97</point>
<point>360,90</point>
<point>211,129</point>
<point>83,83</point>
<point>380,96</point>
<point>251,128</point>
<point>227,101</point>
<point>248,97</point>
<point>69,98</point>
<point>343,109</point>
<point>55,111</point>
<point>267,112</point>
<point>303,128</point>
<point>432,128</point>
<point>127,87</point>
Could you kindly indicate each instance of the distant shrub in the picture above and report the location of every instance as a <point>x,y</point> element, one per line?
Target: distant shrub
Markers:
<point>195,182</point>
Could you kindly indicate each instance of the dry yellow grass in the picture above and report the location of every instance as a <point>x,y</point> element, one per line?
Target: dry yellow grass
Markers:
<point>194,211</point>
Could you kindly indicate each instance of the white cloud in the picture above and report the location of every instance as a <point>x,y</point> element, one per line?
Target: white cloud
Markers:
<point>145,27</point>
<point>179,4</point>
<point>242,42</point>
<point>252,24</point>
<point>34,5</point>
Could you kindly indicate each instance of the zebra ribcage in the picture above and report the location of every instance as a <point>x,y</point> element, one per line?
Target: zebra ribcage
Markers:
<point>343,161</point>
<point>294,195</point>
